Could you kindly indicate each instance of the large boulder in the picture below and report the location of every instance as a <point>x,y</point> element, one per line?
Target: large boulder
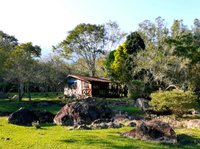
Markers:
<point>153,130</point>
<point>82,112</point>
<point>22,116</point>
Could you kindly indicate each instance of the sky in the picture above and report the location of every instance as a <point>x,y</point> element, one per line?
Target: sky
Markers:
<point>46,22</point>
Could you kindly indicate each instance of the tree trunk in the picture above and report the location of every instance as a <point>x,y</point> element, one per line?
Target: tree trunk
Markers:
<point>20,91</point>
<point>28,91</point>
<point>130,89</point>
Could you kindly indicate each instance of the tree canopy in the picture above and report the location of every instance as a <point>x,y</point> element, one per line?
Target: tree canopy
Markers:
<point>90,42</point>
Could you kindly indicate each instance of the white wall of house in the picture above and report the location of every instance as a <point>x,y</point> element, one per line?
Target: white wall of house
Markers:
<point>75,91</point>
<point>79,87</point>
<point>79,90</point>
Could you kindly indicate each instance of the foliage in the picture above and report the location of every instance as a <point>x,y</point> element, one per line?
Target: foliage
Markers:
<point>51,73</point>
<point>7,44</point>
<point>121,62</point>
<point>118,66</point>
<point>89,41</point>
<point>177,101</point>
<point>134,43</point>
<point>21,66</point>
<point>168,58</point>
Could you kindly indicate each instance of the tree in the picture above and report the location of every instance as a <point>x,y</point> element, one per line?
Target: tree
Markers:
<point>21,66</point>
<point>7,44</point>
<point>89,41</point>
<point>134,43</point>
<point>120,63</point>
<point>118,66</point>
<point>51,74</point>
<point>169,58</point>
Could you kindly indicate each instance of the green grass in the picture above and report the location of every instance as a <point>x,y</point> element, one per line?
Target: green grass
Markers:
<point>49,96</point>
<point>11,106</point>
<point>52,137</point>
<point>7,105</point>
<point>129,109</point>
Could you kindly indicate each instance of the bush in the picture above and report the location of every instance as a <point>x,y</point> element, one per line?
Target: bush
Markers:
<point>176,101</point>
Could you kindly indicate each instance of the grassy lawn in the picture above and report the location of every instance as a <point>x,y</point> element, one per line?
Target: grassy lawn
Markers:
<point>53,137</point>
<point>49,96</point>
<point>129,109</point>
<point>11,106</point>
<point>7,105</point>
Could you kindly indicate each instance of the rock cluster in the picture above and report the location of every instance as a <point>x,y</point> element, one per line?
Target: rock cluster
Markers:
<point>81,113</point>
<point>153,130</point>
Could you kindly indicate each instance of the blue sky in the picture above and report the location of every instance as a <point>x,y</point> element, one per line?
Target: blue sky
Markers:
<point>46,22</point>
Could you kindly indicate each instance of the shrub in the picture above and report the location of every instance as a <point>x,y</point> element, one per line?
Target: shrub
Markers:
<point>177,101</point>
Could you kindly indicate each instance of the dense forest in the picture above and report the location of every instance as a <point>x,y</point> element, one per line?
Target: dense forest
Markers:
<point>154,57</point>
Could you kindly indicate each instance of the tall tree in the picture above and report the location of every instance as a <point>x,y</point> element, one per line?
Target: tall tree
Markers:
<point>89,41</point>
<point>120,63</point>
<point>21,66</point>
<point>7,44</point>
<point>51,73</point>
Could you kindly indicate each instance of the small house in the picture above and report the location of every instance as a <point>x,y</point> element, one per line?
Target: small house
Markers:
<point>79,86</point>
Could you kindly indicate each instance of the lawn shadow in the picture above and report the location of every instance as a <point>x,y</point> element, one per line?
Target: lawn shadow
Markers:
<point>48,125</point>
<point>70,141</point>
<point>184,139</point>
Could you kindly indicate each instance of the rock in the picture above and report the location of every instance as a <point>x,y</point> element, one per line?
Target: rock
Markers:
<point>98,121</point>
<point>194,112</point>
<point>44,116</point>
<point>120,118</point>
<point>99,126</point>
<point>22,116</point>
<point>71,128</point>
<point>83,127</point>
<point>105,125</point>
<point>36,125</point>
<point>81,113</point>
<point>195,123</point>
<point>79,127</point>
<point>153,130</point>
<point>130,124</point>
<point>142,103</point>
<point>111,125</point>
<point>174,123</point>
<point>62,97</point>
<point>15,97</point>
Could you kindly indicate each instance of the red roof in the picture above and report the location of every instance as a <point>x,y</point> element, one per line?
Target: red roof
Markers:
<point>95,79</point>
